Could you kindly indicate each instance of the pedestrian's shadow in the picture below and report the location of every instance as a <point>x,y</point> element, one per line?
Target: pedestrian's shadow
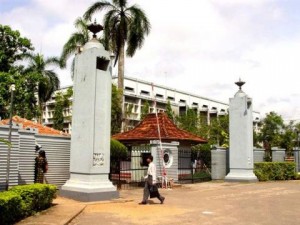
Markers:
<point>151,202</point>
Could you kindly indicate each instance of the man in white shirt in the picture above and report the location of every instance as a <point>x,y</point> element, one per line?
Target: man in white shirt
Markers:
<point>150,183</point>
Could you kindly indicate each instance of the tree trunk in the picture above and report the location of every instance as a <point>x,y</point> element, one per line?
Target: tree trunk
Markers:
<point>121,61</point>
<point>40,120</point>
<point>121,69</point>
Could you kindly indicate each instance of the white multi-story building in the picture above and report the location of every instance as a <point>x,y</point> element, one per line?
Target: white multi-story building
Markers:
<point>137,92</point>
<point>48,112</point>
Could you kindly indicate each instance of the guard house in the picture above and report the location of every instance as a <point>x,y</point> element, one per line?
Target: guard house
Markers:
<point>144,140</point>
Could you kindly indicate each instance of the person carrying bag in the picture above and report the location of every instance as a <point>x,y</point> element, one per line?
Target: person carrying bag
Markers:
<point>150,188</point>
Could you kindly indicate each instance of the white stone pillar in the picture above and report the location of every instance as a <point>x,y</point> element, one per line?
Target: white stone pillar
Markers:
<point>90,143</point>
<point>241,138</point>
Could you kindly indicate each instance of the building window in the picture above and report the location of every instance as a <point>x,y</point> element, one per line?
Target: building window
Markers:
<point>129,89</point>
<point>204,108</point>
<point>159,96</point>
<point>145,92</point>
<point>171,98</point>
<point>182,101</point>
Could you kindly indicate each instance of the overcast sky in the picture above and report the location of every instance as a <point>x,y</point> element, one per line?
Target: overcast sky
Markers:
<point>199,46</point>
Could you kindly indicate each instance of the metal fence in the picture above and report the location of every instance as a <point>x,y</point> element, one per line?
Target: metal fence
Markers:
<point>22,157</point>
<point>130,172</point>
<point>194,166</point>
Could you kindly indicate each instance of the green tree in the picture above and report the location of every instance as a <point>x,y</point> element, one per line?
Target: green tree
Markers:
<point>145,110</point>
<point>189,121</point>
<point>116,110</point>
<point>272,127</point>
<point>25,102</point>
<point>170,112</point>
<point>77,39</point>
<point>12,47</point>
<point>62,101</point>
<point>127,114</point>
<point>123,25</point>
<point>219,131</point>
<point>288,138</point>
<point>48,80</point>
<point>117,149</point>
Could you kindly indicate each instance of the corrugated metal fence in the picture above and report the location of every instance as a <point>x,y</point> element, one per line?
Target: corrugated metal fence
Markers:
<point>14,155</point>
<point>58,155</point>
<point>23,155</point>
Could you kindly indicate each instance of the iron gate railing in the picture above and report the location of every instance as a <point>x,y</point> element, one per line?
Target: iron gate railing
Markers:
<point>194,166</point>
<point>129,172</point>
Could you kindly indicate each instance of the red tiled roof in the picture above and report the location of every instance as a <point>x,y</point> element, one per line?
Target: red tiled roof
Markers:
<point>147,130</point>
<point>30,124</point>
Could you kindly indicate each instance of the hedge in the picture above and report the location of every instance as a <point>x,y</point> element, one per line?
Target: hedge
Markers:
<point>25,200</point>
<point>117,149</point>
<point>275,171</point>
<point>10,207</point>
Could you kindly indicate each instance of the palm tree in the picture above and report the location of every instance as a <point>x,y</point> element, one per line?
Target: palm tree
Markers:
<point>123,25</point>
<point>48,80</point>
<point>78,38</point>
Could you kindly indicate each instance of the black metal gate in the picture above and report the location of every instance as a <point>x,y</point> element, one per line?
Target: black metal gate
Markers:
<point>194,166</point>
<point>129,173</point>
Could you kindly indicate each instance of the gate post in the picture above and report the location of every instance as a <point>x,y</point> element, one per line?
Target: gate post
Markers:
<point>297,160</point>
<point>218,163</point>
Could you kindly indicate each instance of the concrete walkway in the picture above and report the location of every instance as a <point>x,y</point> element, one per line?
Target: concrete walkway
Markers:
<point>217,203</point>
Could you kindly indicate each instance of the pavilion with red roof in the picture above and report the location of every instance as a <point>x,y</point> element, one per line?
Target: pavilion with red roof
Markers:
<point>171,149</point>
<point>147,130</point>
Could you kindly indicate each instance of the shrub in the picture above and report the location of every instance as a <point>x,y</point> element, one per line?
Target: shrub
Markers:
<point>117,149</point>
<point>25,200</point>
<point>10,207</point>
<point>275,171</point>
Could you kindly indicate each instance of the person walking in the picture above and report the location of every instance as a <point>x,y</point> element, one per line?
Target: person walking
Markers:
<point>150,188</point>
<point>41,167</point>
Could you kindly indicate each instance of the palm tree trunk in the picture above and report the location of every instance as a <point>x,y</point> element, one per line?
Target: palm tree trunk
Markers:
<point>121,61</point>
<point>41,113</point>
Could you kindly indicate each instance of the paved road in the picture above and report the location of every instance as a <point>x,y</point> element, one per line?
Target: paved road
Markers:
<point>217,203</point>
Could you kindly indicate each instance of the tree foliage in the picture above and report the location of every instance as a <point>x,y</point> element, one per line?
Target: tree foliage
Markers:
<point>117,149</point>
<point>62,101</point>
<point>127,114</point>
<point>77,39</point>
<point>145,110</point>
<point>271,130</point>
<point>216,132</point>
<point>25,101</point>
<point>170,112</point>
<point>123,25</point>
<point>12,47</point>
<point>288,137</point>
<point>116,110</point>
<point>189,121</point>
<point>48,81</point>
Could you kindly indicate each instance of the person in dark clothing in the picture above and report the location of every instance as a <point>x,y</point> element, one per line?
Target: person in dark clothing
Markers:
<point>41,167</point>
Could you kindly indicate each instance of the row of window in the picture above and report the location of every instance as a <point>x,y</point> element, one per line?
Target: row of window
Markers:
<point>170,98</point>
<point>66,112</point>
